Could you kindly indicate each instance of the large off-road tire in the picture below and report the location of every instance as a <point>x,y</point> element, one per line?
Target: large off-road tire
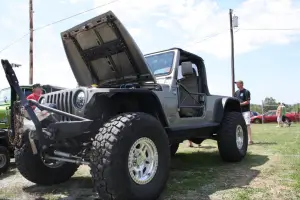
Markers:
<point>173,148</point>
<point>112,158</point>
<point>4,159</point>
<point>233,137</point>
<point>33,168</point>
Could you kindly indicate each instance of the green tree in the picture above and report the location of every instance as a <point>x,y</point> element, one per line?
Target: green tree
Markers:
<point>255,108</point>
<point>270,104</point>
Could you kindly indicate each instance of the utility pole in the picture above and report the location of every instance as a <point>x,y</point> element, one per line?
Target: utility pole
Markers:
<point>232,51</point>
<point>30,43</point>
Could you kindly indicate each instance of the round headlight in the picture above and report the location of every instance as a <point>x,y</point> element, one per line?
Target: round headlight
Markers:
<point>79,100</point>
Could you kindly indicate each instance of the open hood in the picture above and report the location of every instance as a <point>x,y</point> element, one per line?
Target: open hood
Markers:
<point>101,51</point>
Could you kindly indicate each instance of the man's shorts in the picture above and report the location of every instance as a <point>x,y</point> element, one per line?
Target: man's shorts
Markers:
<point>279,119</point>
<point>247,117</point>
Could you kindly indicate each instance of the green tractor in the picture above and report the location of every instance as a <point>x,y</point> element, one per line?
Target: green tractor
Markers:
<point>7,97</point>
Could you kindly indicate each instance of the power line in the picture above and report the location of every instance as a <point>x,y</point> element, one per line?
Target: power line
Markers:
<point>75,15</point>
<point>214,35</point>
<point>209,37</point>
<point>14,42</point>
<point>271,29</point>
<point>91,9</point>
<point>55,22</point>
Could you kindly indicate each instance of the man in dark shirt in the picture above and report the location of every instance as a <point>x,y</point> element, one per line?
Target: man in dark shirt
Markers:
<point>244,96</point>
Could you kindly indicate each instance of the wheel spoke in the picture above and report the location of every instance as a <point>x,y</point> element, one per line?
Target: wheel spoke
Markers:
<point>144,149</point>
<point>147,161</point>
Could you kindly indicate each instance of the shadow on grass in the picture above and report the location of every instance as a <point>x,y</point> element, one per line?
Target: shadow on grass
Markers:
<point>204,173</point>
<point>264,143</point>
<point>75,188</point>
<point>207,147</point>
<point>10,172</point>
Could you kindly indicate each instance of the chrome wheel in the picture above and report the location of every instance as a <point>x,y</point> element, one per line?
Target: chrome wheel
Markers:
<point>3,160</point>
<point>239,137</point>
<point>143,161</point>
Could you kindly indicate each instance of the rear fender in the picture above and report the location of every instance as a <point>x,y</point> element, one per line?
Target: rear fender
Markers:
<point>225,104</point>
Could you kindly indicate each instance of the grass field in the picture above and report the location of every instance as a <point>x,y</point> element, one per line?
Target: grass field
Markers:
<point>270,171</point>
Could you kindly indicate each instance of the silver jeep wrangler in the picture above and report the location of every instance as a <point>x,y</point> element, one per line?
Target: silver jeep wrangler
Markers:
<point>127,127</point>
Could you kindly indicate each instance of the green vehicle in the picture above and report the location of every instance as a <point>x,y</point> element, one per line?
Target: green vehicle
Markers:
<point>7,96</point>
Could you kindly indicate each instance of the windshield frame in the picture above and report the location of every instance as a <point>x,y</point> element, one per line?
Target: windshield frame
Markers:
<point>158,53</point>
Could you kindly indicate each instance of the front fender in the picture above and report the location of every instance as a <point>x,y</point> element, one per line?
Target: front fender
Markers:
<point>223,105</point>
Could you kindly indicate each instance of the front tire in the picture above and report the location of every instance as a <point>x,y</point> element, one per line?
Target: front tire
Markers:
<point>35,170</point>
<point>233,137</point>
<point>4,159</point>
<point>130,158</point>
<point>257,121</point>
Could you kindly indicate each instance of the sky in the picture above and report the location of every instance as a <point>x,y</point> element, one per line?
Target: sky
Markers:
<point>266,60</point>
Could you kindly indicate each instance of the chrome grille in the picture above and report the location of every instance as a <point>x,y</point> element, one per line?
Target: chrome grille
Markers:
<point>63,101</point>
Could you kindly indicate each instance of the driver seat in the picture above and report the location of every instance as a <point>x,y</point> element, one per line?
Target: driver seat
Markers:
<point>190,83</point>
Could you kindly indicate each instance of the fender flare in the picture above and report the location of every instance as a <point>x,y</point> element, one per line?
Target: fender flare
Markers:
<point>225,104</point>
<point>148,99</point>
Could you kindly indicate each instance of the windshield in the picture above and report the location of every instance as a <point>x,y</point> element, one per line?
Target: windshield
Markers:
<point>160,64</point>
<point>4,95</point>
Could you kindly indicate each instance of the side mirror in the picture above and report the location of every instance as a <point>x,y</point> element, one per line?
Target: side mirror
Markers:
<point>186,68</point>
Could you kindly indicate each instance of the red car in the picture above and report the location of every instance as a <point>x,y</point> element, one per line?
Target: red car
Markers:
<point>270,116</point>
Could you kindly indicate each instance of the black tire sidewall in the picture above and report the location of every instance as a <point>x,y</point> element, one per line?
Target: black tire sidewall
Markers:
<point>227,137</point>
<point>118,175</point>
<point>4,151</point>
<point>153,130</point>
<point>33,169</point>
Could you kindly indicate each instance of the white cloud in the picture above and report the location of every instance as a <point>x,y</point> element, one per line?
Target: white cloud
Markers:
<point>135,31</point>
<point>163,23</point>
<point>74,1</point>
<point>199,19</point>
<point>155,24</point>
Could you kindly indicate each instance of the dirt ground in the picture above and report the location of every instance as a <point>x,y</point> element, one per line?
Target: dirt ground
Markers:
<point>270,171</point>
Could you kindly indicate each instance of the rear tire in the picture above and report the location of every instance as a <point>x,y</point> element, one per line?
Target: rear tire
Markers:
<point>4,159</point>
<point>33,168</point>
<point>112,157</point>
<point>233,137</point>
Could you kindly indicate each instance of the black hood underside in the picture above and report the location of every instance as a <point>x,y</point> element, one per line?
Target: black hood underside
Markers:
<point>101,51</point>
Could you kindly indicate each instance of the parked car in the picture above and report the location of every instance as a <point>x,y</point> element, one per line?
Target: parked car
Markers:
<point>6,100</point>
<point>270,116</point>
<point>253,113</point>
